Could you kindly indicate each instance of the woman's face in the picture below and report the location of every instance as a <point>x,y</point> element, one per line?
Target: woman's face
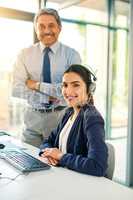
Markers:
<point>74,90</point>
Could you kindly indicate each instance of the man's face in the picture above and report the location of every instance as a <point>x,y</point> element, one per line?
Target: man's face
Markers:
<point>47,29</point>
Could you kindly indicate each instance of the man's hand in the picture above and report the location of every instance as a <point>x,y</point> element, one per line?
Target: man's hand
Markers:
<point>31,84</point>
<point>54,99</point>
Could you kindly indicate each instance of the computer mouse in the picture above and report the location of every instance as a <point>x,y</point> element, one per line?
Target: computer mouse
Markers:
<point>2,146</point>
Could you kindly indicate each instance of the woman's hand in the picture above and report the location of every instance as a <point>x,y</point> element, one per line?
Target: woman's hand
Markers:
<point>52,161</point>
<point>53,153</point>
<point>49,160</point>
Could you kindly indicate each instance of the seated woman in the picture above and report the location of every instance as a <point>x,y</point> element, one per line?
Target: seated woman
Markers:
<point>78,141</point>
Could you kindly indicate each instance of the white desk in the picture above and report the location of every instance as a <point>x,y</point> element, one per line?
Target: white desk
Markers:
<point>59,184</point>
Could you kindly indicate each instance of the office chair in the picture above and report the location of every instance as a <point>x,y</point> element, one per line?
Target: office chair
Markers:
<point>111,161</point>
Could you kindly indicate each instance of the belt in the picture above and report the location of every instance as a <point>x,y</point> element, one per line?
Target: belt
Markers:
<point>58,108</point>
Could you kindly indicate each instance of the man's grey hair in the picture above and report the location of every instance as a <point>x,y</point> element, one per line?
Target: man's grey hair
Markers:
<point>47,11</point>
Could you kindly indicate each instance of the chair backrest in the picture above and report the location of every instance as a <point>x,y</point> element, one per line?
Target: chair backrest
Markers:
<point>111,161</point>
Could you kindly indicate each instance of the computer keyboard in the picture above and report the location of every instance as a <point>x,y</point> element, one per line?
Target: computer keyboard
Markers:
<point>24,161</point>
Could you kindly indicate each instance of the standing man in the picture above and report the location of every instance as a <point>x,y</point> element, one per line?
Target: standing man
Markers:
<point>37,75</point>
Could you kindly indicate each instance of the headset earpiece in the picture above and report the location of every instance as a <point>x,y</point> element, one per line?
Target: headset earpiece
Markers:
<point>92,84</point>
<point>92,87</point>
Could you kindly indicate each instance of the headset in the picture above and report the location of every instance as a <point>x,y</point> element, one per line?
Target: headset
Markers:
<point>92,84</point>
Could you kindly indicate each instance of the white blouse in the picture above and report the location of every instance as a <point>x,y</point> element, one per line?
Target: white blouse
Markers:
<point>64,135</point>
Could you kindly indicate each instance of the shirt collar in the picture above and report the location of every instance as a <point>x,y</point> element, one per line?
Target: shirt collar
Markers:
<point>54,47</point>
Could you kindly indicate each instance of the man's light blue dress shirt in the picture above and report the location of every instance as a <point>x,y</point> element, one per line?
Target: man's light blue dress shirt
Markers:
<point>29,65</point>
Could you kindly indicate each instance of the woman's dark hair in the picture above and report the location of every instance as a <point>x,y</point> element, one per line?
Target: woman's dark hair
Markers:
<point>85,75</point>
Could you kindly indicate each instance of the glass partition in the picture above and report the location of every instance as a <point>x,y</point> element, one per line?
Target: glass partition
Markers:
<point>119,112</point>
<point>122,13</point>
<point>118,99</point>
<point>14,35</point>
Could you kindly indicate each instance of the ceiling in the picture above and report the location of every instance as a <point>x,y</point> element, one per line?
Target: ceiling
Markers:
<point>121,5</point>
<point>85,3</point>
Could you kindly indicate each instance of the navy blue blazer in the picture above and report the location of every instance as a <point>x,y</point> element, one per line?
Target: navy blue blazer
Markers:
<point>86,149</point>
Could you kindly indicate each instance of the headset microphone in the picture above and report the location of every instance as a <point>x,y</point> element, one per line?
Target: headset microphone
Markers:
<point>79,105</point>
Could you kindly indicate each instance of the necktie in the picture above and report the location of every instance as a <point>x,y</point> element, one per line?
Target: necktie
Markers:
<point>46,75</point>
